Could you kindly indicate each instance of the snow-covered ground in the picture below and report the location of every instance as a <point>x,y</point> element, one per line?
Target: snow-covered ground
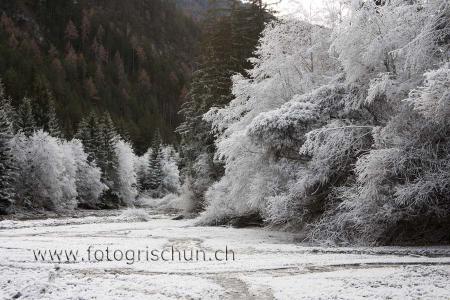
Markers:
<point>268,264</point>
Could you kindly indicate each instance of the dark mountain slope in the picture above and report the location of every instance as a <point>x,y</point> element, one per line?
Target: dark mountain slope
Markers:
<point>131,58</point>
<point>198,8</point>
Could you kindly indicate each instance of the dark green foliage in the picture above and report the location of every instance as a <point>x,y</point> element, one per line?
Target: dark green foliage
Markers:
<point>52,120</point>
<point>106,155</point>
<point>154,165</point>
<point>130,58</point>
<point>25,118</point>
<point>6,164</point>
<point>89,134</point>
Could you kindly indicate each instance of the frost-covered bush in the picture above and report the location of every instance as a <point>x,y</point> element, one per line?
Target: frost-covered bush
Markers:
<point>46,172</point>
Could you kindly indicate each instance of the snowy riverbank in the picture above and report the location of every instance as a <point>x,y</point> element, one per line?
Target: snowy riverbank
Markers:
<point>268,264</point>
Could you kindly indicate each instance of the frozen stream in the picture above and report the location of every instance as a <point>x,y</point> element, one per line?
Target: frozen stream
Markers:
<point>268,264</point>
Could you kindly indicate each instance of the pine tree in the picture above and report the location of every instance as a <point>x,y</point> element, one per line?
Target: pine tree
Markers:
<point>25,117</point>
<point>107,159</point>
<point>6,164</point>
<point>247,23</point>
<point>52,120</point>
<point>71,32</point>
<point>155,171</point>
<point>89,134</point>
<point>6,105</point>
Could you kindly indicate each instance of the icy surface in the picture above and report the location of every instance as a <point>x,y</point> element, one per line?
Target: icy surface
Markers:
<point>268,265</point>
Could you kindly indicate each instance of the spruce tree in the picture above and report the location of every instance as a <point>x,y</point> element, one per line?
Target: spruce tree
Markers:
<point>154,165</point>
<point>107,159</point>
<point>25,117</point>
<point>7,107</point>
<point>52,120</point>
<point>6,164</point>
<point>89,134</point>
<point>247,23</point>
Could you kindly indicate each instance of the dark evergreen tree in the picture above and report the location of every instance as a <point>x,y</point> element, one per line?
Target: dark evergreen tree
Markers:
<point>6,164</point>
<point>89,134</point>
<point>247,23</point>
<point>154,165</point>
<point>107,159</point>
<point>7,107</point>
<point>52,119</point>
<point>25,118</point>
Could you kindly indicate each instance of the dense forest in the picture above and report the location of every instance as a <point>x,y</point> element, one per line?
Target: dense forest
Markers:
<point>132,59</point>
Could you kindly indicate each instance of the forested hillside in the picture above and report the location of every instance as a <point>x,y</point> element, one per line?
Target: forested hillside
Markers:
<point>130,58</point>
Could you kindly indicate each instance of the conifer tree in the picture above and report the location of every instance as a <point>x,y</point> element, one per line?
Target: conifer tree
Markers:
<point>6,164</point>
<point>89,134</point>
<point>107,158</point>
<point>25,117</point>
<point>247,23</point>
<point>155,170</point>
<point>71,32</point>
<point>52,120</point>
<point>7,107</point>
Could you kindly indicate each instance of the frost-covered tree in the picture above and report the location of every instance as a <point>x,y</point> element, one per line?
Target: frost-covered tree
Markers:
<point>88,176</point>
<point>170,173</point>
<point>399,185</point>
<point>403,186</point>
<point>46,172</point>
<point>292,59</point>
<point>127,181</point>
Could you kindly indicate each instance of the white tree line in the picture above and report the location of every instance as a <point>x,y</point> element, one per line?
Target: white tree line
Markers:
<point>97,169</point>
